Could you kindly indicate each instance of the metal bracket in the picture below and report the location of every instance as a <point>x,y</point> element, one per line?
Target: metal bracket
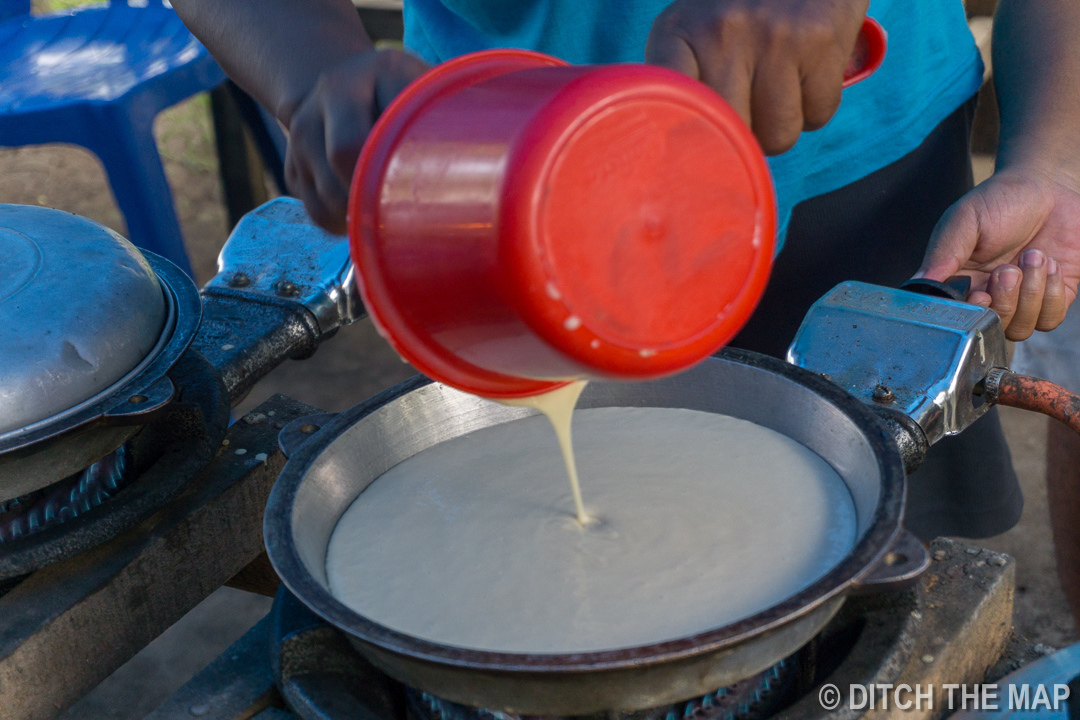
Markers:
<point>299,431</point>
<point>140,406</point>
<point>277,252</point>
<point>921,356</point>
<point>901,566</point>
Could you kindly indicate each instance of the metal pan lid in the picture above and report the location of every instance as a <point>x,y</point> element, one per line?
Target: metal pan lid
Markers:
<point>80,308</point>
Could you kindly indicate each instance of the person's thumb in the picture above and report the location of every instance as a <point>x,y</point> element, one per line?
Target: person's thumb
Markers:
<point>952,242</point>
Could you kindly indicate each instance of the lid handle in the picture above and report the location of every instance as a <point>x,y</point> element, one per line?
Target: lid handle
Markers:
<point>300,430</point>
<point>140,405</point>
<point>899,567</point>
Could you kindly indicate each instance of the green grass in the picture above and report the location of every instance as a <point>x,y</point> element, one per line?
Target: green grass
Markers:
<point>47,6</point>
<point>186,135</point>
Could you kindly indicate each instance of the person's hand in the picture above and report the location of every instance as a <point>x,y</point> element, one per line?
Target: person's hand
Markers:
<point>779,63</point>
<point>1017,235</point>
<point>330,125</point>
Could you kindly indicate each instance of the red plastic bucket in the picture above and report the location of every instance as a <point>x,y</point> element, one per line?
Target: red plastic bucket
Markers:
<point>517,222</point>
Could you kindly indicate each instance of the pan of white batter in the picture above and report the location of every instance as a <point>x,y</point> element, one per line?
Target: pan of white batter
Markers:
<point>732,508</point>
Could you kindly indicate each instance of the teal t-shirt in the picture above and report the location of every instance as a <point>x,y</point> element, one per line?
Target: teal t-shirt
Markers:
<point>932,66</point>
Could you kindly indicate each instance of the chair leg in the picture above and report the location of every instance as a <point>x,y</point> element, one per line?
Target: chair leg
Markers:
<point>129,153</point>
<point>266,132</point>
<point>242,180</point>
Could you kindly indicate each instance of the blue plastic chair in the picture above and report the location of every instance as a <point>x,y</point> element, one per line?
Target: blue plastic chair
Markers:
<point>97,77</point>
<point>13,8</point>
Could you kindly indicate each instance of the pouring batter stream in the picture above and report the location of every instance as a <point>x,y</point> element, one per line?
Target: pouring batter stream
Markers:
<point>558,406</point>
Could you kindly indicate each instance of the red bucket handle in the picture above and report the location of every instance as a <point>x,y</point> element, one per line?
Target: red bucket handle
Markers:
<point>869,52</point>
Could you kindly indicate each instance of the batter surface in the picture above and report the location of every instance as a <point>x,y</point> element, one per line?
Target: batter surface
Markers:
<point>699,520</point>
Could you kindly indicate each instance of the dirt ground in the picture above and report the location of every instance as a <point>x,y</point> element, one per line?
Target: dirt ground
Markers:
<point>355,365</point>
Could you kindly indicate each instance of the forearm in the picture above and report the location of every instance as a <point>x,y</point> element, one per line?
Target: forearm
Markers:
<point>275,49</point>
<point>1037,78</point>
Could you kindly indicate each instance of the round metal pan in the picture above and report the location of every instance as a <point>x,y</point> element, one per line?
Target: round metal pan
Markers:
<point>325,474</point>
<point>46,452</point>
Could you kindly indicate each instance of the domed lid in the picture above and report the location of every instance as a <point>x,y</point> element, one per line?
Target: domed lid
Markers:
<point>80,308</point>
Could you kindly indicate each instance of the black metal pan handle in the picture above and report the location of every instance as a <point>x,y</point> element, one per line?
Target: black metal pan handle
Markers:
<point>899,568</point>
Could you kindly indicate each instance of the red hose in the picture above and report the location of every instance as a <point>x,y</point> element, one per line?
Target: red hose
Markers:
<point>1031,393</point>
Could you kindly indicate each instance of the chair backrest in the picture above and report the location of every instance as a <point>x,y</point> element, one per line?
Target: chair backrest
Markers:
<point>13,8</point>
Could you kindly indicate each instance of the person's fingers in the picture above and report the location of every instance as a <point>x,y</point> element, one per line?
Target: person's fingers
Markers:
<point>952,242</point>
<point>733,83</point>
<point>726,75</point>
<point>301,184</point>
<point>1033,265</point>
<point>666,44</point>
<point>776,104</point>
<point>821,91</point>
<point>333,195</point>
<point>319,212</point>
<point>667,47</point>
<point>1004,291</point>
<point>712,48</point>
<point>347,98</point>
<point>396,70</point>
<point>823,78</point>
<point>308,172</point>
<point>345,135</point>
<point>980,298</point>
<point>354,96</point>
<point>298,177</point>
<point>1055,302</point>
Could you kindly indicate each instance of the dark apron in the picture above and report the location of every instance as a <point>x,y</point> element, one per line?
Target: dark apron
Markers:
<point>876,230</point>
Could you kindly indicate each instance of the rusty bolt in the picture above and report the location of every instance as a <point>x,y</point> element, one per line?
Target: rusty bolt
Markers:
<point>284,288</point>
<point>239,280</point>
<point>883,394</point>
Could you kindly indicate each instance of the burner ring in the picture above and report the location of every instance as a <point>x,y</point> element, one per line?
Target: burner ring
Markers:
<point>322,677</point>
<point>67,499</point>
<point>166,454</point>
<point>757,697</point>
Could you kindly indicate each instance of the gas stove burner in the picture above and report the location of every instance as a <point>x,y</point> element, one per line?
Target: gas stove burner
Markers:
<point>321,676</point>
<point>96,504</point>
<point>66,499</point>
<point>757,697</point>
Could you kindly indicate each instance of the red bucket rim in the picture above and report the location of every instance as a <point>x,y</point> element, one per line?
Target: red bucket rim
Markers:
<point>415,347</point>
